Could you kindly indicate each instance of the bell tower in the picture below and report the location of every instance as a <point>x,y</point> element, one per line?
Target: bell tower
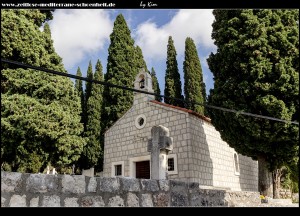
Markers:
<point>143,82</point>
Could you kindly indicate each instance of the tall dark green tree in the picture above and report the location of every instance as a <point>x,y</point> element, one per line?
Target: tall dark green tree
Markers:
<point>172,78</point>
<point>194,87</point>
<point>140,62</point>
<point>87,94</point>
<point>121,70</point>
<point>79,89</point>
<point>256,70</point>
<point>40,112</point>
<point>92,151</point>
<point>53,57</point>
<point>155,84</point>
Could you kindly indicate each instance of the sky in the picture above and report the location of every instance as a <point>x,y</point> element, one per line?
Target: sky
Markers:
<point>82,35</point>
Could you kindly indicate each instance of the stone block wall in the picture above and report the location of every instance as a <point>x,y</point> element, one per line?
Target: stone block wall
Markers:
<point>212,160</point>
<point>40,190</point>
<point>202,156</point>
<point>124,140</point>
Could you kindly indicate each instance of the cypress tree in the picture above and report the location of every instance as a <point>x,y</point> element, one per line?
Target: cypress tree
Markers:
<point>79,89</point>
<point>172,78</point>
<point>92,151</point>
<point>87,94</point>
<point>155,85</point>
<point>121,70</point>
<point>49,44</point>
<point>194,87</point>
<point>140,62</point>
<point>256,70</point>
<point>40,112</point>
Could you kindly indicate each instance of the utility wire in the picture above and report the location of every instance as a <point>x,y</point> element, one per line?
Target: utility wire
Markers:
<point>22,65</point>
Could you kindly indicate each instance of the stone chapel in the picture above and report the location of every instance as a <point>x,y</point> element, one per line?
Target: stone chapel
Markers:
<point>198,154</point>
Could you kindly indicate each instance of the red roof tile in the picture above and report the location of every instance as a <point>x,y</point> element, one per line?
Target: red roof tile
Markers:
<point>184,110</point>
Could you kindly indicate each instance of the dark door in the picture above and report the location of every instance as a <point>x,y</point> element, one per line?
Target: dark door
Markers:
<point>143,169</point>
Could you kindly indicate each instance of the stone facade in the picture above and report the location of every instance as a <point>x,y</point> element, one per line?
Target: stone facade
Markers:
<point>200,153</point>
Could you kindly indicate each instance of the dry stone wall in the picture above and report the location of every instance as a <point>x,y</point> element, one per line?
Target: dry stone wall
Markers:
<point>41,190</point>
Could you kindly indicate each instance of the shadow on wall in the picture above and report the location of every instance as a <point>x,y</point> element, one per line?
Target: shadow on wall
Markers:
<point>248,173</point>
<point>201,164</point>
<point>202,167</point>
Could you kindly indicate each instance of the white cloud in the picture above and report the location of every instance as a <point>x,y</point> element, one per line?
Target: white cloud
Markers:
<point>186,23</point>
<point>77,33</point>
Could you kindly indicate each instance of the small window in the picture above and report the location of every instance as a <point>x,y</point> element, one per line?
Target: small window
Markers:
<point>172,164</point>
<point>236,164</point>
<point>117,168</point>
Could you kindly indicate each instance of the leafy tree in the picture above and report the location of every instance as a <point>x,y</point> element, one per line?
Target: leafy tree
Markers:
<point>288,176</point>
<point>22,41</point>
<point>155,84</point>
<point>40,112</point>
<point>172,78</point>
<point>291,176</point>
<point>92,151</point>
<point>121,70</point>
<point>194,87</point>
<point>79,88</point>
<point>256,70</point>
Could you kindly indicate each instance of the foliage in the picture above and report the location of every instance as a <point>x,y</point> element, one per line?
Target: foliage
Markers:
<point>87,94</point>
<point>155,85</point>
<point>291,176</point>
<point>40,112</point>
<point>140,62</point>
<point>79,89</point>
<point>256,70</point>
<point>121,70</point>
<point>92,151</point>
<point>194,87</point>
<point>172,77</point>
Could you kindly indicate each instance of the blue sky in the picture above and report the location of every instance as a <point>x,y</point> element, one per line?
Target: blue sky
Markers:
<point>81,35</point>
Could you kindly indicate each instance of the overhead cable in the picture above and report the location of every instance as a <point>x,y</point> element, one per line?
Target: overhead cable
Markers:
<point>238,112</point>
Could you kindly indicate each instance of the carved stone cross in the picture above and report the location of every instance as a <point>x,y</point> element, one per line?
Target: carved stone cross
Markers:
<point>159,146</point>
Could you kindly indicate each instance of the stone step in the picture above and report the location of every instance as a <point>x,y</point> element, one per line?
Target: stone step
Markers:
<point>280,201</point>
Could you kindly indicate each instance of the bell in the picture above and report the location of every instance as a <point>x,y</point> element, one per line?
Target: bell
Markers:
<point>142,83</point>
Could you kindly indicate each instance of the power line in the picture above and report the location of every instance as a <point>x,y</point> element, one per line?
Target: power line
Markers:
<point>144,92</point>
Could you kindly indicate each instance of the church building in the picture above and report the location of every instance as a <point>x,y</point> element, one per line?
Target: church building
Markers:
<point>198,155</point>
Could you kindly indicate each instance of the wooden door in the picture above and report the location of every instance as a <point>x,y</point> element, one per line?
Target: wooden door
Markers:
<point>143,169</point>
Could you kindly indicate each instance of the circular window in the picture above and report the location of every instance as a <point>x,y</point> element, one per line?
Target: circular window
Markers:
<point>140,121</point>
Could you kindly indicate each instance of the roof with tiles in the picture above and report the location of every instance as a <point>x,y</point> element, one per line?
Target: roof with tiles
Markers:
<point>183,109</point>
